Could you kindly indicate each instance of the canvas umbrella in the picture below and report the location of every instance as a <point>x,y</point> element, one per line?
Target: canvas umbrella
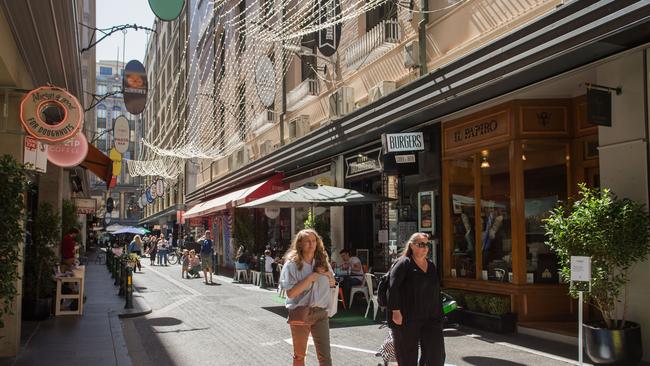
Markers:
<point>113,228</point>
<point>130,230</point>
<point>315,195</point>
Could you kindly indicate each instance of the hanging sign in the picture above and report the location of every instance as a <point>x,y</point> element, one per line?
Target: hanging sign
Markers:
<point>35,155</point>
<point>149,195</point>
<point>364,162</point>
<point>107,218</point>
<point>141,204</point>
<point>160,188</point>
<point>265,80</point>
<point>272,213</point>
<point>70,152</point>
<point>121,134</point>
<point>401,142</point>
<point>143,199</point>
<point>85,206</point>
<point>329,38</point>
<point>167,9</point>
<point>109,205</point>
<point>134,85</point>
<point>599,107</point>
<point>51,114</point>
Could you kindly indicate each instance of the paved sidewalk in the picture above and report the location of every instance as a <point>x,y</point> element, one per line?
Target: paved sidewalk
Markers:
<point>96,338</point>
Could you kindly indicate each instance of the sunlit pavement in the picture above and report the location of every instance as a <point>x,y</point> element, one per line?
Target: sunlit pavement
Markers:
<point>240,324</point>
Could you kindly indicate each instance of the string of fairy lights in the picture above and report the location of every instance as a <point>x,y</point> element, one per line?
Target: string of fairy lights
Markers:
<point>211,115</point>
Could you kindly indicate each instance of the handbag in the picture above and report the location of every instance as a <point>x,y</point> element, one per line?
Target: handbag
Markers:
<point>333,306</point>
<point>299,316</point>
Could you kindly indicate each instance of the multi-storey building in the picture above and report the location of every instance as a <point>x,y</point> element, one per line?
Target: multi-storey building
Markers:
<point>495,91</point>
<point>166,106</point>
<point>125,195</point>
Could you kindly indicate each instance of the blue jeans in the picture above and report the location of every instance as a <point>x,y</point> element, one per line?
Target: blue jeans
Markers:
<point>241,265</point>
<point>162,256</point>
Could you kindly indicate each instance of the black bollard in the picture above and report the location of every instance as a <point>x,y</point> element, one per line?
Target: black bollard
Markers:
<point>129,288</point>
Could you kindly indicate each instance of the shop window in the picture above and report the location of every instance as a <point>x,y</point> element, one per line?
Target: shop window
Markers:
<point>496,238</point>
<point>545,183</point>
<point>461,189</point>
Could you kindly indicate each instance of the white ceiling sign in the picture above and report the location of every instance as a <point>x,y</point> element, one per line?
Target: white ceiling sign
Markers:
<point>265,80</point>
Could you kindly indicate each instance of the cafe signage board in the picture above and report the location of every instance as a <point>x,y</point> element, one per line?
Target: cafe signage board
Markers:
<point>477,130</point>
<point>403,142</point>
<point>363,163</point>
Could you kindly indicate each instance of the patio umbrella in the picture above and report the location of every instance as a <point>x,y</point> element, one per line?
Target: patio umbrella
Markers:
<point>114,227</point>
<point>144,231</point>
<point>130,230</point>
<point>316,195</point>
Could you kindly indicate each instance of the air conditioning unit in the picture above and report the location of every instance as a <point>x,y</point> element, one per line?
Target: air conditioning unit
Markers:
<point>380,90</point>
<point>266,147</point>
<point>298,127</point>
<point>412,55</point>
<point>342,101</point>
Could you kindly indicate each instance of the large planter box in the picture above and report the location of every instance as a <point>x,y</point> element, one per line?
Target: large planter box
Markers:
<point>506,323</point>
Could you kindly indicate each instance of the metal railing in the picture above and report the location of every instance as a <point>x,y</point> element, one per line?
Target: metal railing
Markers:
<point>373,44</point>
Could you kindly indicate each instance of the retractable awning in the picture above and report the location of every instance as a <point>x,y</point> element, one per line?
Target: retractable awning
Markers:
<point>98,163</point>
<point>238,197</point>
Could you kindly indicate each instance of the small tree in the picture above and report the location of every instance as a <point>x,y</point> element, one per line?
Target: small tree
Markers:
<point>69,217</point>
<point>321,226</point>
<point>614,232</point>
<point>12,185</point>
<point>41,255</point>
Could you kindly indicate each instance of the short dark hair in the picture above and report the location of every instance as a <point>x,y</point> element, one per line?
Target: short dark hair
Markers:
<point>344,250</point>
<point>73,230</point>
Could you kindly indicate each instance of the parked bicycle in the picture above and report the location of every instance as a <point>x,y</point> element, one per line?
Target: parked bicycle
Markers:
<point>174,256</point>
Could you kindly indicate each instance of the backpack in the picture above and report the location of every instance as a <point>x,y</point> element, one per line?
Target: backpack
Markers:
<point>382,289</point>
<point>206,247</point>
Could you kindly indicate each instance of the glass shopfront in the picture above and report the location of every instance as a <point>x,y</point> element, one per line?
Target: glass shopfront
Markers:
<point>504,169</point>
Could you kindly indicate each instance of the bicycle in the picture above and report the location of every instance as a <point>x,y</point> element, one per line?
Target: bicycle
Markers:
<point>174,256</point>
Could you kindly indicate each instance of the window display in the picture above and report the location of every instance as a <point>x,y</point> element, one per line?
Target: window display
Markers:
<point>461,189</point>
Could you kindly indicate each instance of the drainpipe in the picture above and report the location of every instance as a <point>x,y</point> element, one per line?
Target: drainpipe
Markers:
<point>422,36</point>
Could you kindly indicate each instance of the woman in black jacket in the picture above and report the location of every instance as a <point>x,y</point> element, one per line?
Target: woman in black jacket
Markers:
<point>415,310</point>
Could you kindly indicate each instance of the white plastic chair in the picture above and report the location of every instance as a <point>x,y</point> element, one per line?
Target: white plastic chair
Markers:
<point>373,296</point>
<point>359,289</point>
<point>255,277</point>
<point>239,273</point>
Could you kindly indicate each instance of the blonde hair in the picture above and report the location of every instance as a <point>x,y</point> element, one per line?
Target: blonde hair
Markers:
<point>295,254</point>
<point>407,252</point>
<point>137,239</point>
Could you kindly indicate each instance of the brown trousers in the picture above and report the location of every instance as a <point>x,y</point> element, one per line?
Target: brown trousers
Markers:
<point>320,332</point>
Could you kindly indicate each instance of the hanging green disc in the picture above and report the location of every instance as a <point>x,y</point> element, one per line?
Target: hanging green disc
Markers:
<point>167,9</point>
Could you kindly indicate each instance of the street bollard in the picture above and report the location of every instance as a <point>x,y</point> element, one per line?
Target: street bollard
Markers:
<point>116,272</point>
<point>122,278</point>
<point>262,274</point>
<point>109,261</point>
<point>216,264</point>
<point>129,288</point>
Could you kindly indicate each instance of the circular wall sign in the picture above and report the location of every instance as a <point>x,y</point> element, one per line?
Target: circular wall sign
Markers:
<point>160,188</point>
<point>68,153</point>
<point>109,205</point>
<point>107,218</point>
<point>121,134</point>
<point>272,213</point>
<point>167,9</point>
<point>51,114</point>
<point>265,80</point>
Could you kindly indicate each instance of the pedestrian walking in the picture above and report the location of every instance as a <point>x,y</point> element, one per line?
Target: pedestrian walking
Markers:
<point>135,247</point>
<point>206,256</point>
<point>162,250</point>
<point>415,310</point>
<point>153,249</point>
<point>307,277</point>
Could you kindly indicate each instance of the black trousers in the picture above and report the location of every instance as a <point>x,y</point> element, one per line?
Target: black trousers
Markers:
<point>428,335</point>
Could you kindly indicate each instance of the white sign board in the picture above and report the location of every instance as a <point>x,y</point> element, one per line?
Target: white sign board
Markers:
<point>121,134</point>
<point>85,205</point>
<point>160,188</point>
<point>35,154</point>
<point>580,268</point>
<point>400,142</point>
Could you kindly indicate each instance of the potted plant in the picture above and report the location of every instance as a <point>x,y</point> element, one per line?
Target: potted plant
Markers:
<point>614,233</point>
<point>12,185</point>
<point>485,311</point>
<point>40,260</point>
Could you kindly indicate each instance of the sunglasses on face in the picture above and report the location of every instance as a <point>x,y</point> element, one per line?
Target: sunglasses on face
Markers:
<point>422,244</point>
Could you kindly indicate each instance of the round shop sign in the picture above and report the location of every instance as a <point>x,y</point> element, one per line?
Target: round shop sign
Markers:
<point>149,195</point>
<point>160,188</point>
<point>121,134</point>
<point>140,204</point>
<point>272,213</point>
<point>167,9</point>
<point>143,199</point>
<point>51,114</point>
<point>68,153</point>
<point>134,85</point>
<point>107,218</point>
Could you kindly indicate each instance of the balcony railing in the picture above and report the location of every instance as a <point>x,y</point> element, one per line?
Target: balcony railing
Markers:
<point>302,94</point>
<point>372,45</point>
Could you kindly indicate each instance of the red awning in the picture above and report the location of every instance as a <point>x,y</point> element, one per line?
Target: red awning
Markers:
<point>239,197</point>
<point>98,163</point>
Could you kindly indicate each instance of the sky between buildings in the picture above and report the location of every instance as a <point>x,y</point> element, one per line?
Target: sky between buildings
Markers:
<point>119,12</point>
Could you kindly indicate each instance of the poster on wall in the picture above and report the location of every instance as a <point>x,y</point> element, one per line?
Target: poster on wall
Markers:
<point>35,155</point>
<point>426,219</point>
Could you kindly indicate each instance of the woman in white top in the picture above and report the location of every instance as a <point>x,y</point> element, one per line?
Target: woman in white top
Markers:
<point>307,277</point>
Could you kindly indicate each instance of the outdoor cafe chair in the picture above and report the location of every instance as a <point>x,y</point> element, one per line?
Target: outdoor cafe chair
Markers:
<point>363,289</point>
<point>373,295</point>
